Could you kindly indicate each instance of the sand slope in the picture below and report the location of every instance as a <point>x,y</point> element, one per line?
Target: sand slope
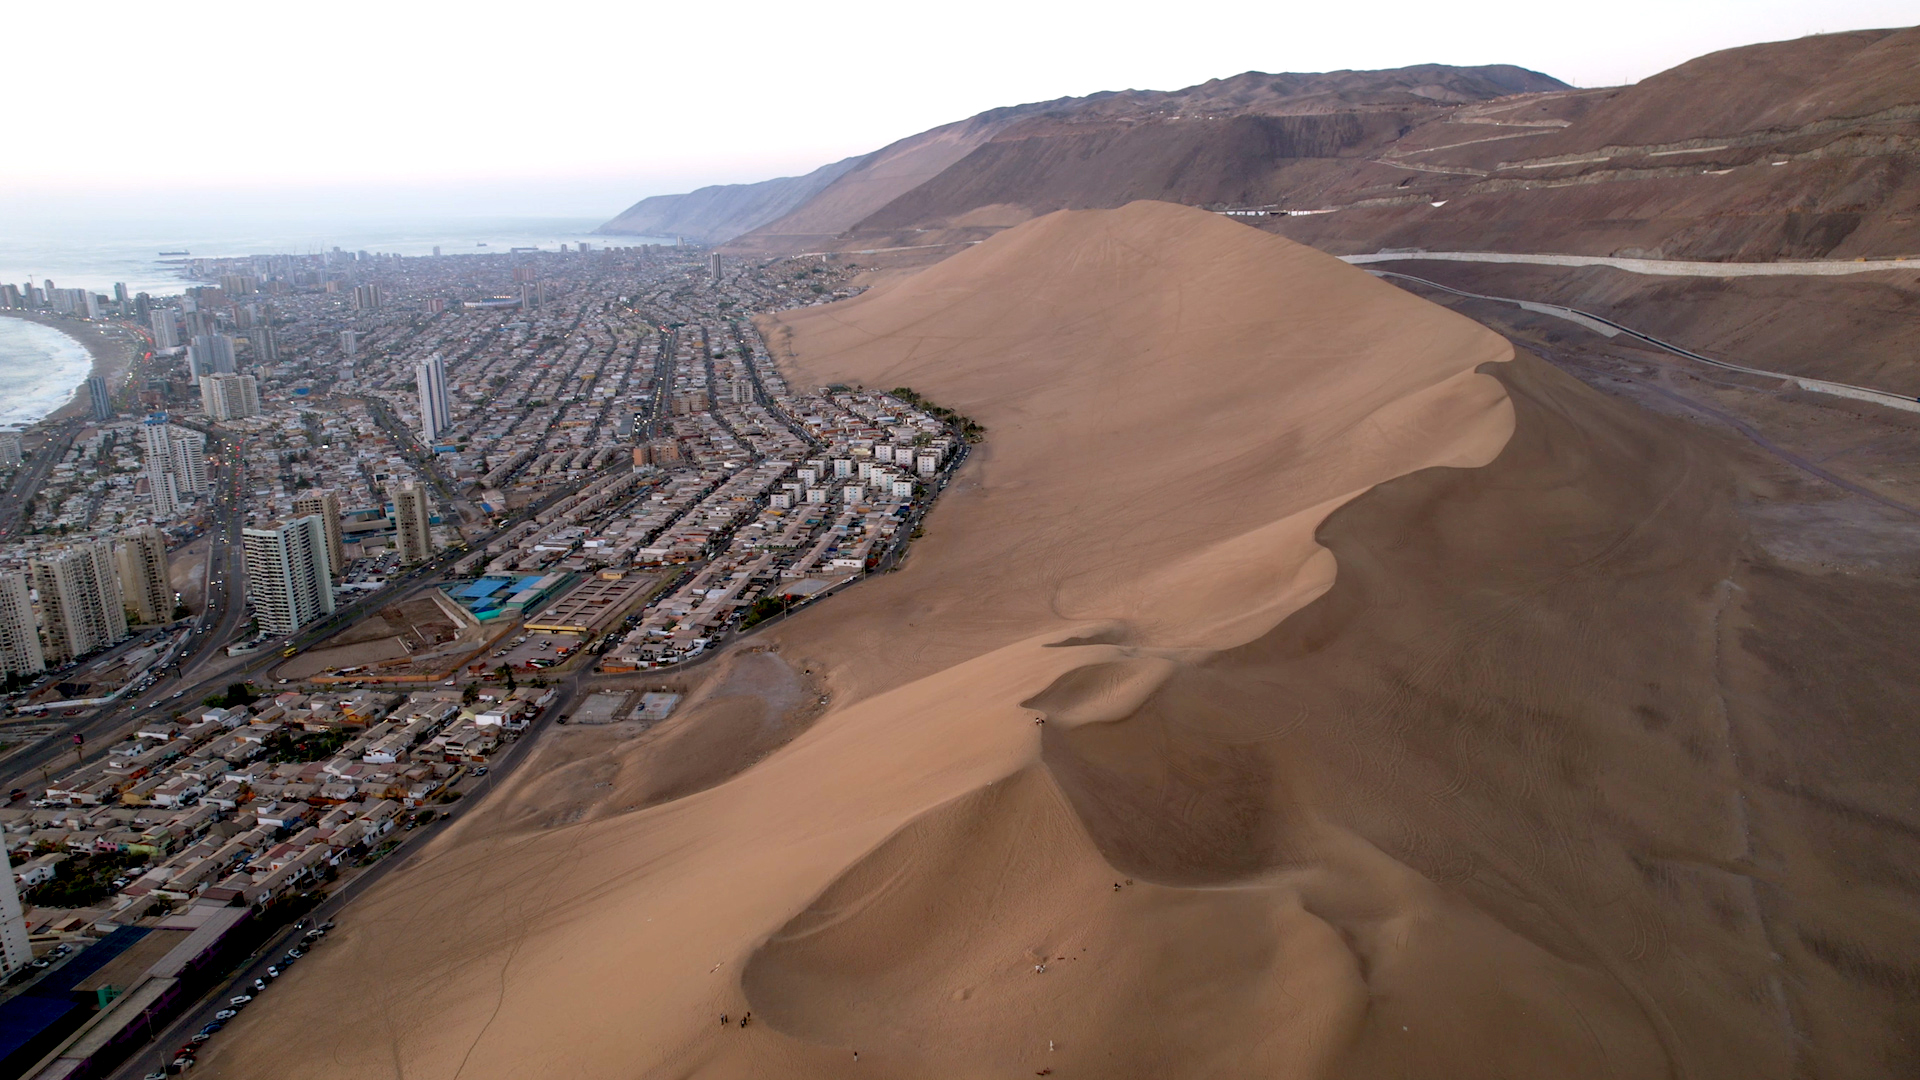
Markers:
<point>1523,773</point>
<point>1176,403</point>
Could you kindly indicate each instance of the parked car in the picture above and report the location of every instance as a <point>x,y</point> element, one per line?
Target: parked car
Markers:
<point>273,972</point>
<point>259,985</point>
<point>236,1002</point>
<point>226,1014</point>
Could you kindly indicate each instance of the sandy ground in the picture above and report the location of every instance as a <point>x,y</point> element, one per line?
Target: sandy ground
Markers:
<point>1410,709</point>
<point>187,567</point>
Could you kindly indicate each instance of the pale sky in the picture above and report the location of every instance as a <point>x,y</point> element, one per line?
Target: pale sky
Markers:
<point>576,107</point>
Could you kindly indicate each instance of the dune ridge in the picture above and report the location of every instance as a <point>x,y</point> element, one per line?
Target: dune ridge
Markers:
<point>1175,405</point>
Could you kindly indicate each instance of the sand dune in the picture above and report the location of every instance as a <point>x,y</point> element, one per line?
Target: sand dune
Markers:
<point>1464,792</point>
<point>1175,401</point>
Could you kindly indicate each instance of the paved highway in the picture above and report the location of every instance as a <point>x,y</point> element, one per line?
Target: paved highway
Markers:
<point>1744,428</point>
<point>28,478</point>
<point>1603,325</point>
<point>1658,267</point>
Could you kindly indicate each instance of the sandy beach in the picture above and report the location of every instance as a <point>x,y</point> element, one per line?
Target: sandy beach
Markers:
<point>112,347</point>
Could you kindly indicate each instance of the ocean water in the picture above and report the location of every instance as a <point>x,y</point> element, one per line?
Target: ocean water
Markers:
<point>94,254</point>
<point>39,369</point>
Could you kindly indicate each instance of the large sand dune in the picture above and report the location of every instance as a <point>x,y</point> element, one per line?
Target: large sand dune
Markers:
<point>1468,791</point>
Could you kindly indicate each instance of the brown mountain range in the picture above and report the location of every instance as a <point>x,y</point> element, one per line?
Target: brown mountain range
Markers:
<point>1786,150</point>
<point>815,211</point>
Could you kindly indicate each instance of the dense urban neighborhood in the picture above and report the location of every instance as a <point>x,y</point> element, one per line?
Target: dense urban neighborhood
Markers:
<point>340,529</point>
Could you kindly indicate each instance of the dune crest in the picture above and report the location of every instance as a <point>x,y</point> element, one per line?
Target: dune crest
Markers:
<point>929,876</point>
<point>1182,405</point>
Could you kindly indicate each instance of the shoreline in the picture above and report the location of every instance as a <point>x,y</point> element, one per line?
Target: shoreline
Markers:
<point>107,345</point>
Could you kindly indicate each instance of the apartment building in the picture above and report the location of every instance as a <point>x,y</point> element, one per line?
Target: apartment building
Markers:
<point>325,505</point>
<point>412,531</point>
<point>20,652</point>
<point>288,578</point>
<point>140,556</point>
<point>229,397</point>
<point>80,602</point>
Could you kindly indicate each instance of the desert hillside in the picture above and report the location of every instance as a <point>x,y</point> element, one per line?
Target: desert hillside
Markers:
<point>816,209</point>
<point>717,214</point>
<point>1795,149</point>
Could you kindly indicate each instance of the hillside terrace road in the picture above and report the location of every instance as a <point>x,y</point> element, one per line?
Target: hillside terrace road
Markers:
<point>1657,267</point>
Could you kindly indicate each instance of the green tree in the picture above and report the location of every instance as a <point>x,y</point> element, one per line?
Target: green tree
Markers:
<point>471,694</point>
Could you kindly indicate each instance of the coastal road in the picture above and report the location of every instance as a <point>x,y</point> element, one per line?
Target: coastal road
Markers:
<point>1656,267</point>
<point>27,479</point>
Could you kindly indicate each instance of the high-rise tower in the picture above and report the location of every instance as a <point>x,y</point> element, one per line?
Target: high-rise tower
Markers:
<point>80,600</point>
<point>412,525</point>
<point>325,505</point>
<point>287,577</point>
<point>98,398</point>
<point>20,652</point>
<point>436,409</point>
<point>140,557</point>
<point>210,354</point>
<point>16,951</point>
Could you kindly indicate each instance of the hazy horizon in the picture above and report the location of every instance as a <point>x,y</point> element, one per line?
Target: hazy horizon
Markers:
<point>458,111</point>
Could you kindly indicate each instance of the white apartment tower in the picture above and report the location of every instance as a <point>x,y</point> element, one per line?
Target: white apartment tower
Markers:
<point>287,573</point>
<point>325,505</point>
<point>229,397</point>
<point>80,602</point>
<point>164,335</point>
<point>20,652</point>
<point>140,556</point>
<point>176,461</point>
<point>16,951</point>
<point>436,409</point>
<point>412,524</point>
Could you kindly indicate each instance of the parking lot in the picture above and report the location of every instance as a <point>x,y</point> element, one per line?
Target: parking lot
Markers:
<point>536,646</point>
